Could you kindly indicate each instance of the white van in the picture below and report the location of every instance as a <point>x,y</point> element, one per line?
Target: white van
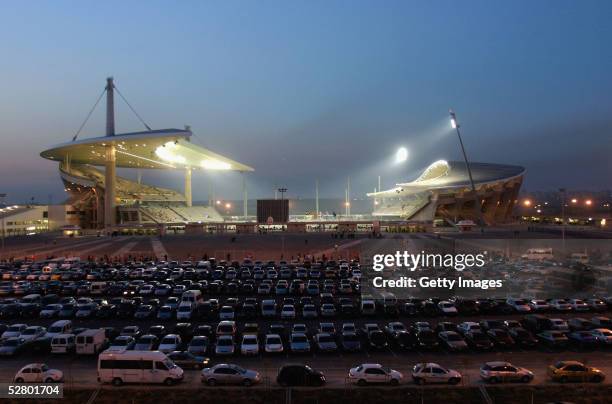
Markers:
<point>90,341</point>
<point>59,327</point>
<point>192,296</point>
<point>63,343</point>
<point>137,367</point>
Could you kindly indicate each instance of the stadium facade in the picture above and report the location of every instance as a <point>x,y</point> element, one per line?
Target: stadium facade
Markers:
<point>104,200</point>
<point>443,191</point>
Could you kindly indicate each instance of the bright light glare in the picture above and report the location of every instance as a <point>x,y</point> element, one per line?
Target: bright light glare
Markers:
<point>527,202</point>
<point>210,164</point>
<point>588,202</point>
<point>165,153</point>
<point>453,123</point>
<point>228,205</point>
<point>574,200</point>
<point>401,155</point>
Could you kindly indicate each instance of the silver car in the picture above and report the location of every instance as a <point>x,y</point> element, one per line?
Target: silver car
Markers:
<point>225,345</point>
<point>298,342</point>
<point>224,373</point>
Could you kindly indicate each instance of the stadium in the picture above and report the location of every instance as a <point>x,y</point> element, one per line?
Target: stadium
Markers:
<point>443,191</point>
<point>99,199</point>
<point>104,200</point>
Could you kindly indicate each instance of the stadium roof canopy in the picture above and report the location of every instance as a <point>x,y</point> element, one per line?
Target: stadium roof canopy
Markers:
<point>453,174</point>
<point>164,148</point>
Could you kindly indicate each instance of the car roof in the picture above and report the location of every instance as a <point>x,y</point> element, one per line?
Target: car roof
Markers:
<point>498,363</point>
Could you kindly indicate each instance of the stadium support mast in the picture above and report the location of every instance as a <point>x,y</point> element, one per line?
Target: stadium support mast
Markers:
<point>111,158</point>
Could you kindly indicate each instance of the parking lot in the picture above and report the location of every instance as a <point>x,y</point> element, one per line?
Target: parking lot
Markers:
<point>269,297</point>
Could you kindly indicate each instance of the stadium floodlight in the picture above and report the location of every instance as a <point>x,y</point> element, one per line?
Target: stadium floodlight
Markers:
<point>453,119</point>
<point>165,153</point>
<point>401,155</point>
<point>211,164</point>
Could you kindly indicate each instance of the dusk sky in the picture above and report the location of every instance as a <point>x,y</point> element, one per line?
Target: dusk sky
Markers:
<point>301,90</point>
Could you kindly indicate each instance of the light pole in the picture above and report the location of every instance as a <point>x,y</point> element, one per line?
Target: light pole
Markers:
<point>455,125</point>
<point>563,197</point>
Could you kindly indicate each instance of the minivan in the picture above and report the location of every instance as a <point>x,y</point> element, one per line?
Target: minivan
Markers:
<point>137,367</point>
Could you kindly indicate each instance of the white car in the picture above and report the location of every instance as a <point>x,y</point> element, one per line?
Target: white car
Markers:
<point>539,305</point>
<point>560,305</point>
<point>579,305</point>
<point>447,308</point>
<point>288,311</point>
<point>169,343</point>
<point>250,345</point>
<point>274,343</point>
<point>33,332</point>
<point>423,373</point>
<point>14,330</point>
<point>226,313</point>
<point>519,305</point>
<point>38,373</point>
<point>374,373</point>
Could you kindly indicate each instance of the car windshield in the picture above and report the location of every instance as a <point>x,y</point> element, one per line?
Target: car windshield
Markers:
<point>169,364</point>
<point>198,342</point>
<point>300,339</point>
<point>12,342</point>
<point>121,341</point>
<point>168,340</point>
<point>44,368</point>
<point>224,342</point>
<point>274,341</point>
<point>30,331</point>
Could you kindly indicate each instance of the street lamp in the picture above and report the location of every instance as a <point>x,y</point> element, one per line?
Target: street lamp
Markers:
<point>563,196</point>
<point>455,125</point>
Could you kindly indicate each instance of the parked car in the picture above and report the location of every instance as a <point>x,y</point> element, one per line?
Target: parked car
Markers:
<point>374,373</point>
<point>38,373</point>
<point>573,371</point>
<point>187,360</point>
<point>423,373</point>
<point>229,374</point>
<point>500,372</point>
<point>299,375</point>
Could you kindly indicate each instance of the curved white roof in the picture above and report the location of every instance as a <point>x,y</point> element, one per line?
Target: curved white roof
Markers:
<point>444,174</point>
<point>164,148</point>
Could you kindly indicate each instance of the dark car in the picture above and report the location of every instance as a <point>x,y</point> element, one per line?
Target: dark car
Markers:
<point>188,360</point>
<point>404,340</point>
<point>350,342</point>
<point>377,339</point>
<point>67,311</point>
<point>106,311</point>
<point>583,339</point>
<point>158,330</point>
<point>299,375</point>
<point>426,339</point>
<point>523,337</point>
<point>478,340</point>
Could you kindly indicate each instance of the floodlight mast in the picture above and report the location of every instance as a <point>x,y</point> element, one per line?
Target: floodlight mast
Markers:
<point>455,125</point>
